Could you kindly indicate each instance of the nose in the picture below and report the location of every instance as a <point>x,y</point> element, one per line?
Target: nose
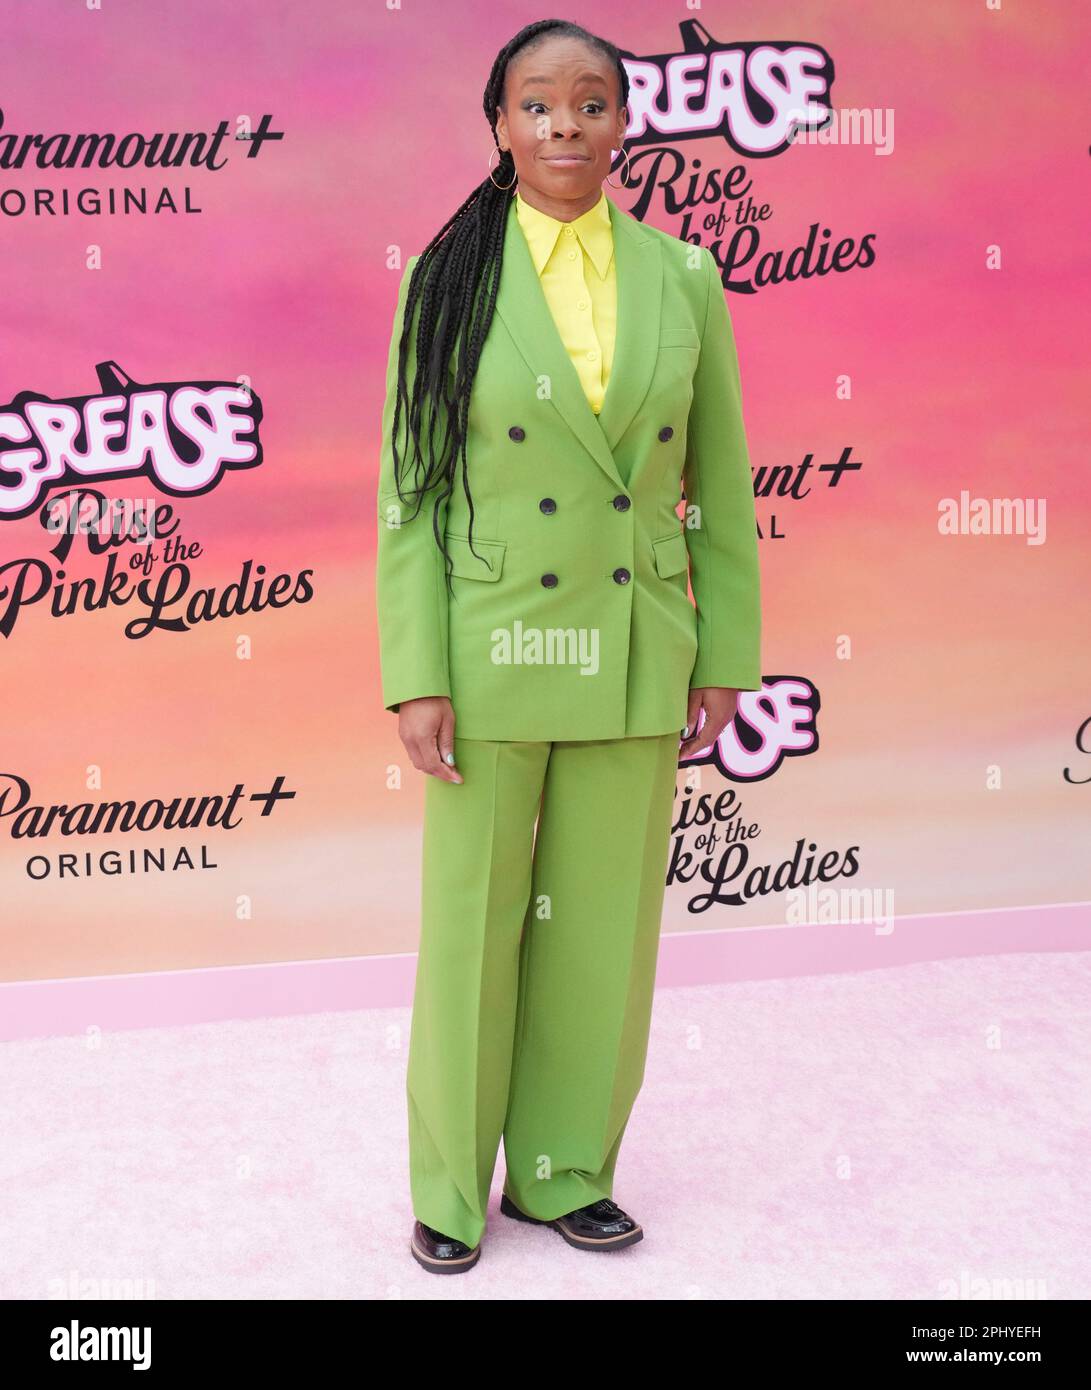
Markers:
<point>564,126</point>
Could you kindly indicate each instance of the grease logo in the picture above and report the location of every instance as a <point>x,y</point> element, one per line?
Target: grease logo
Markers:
<point>715,850</point>
<point>758,97</point>
<point>776,722</point>
<point>181,436</point>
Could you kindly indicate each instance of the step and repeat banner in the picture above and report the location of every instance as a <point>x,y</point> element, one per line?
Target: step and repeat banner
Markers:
<point>205,212</point>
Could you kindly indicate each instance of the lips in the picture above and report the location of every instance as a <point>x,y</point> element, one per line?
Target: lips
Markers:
<point>567,159</point>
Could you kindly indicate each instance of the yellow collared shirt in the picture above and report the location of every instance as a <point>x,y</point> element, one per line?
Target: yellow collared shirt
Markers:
<point>576,267</point>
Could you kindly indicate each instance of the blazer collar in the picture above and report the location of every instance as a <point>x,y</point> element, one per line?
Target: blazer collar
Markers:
<point>522,305</point>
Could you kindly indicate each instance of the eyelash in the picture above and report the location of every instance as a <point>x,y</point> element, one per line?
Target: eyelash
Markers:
<point>599,107</point>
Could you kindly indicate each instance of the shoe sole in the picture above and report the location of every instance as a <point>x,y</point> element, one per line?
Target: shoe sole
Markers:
<point>508,1207</point>
<point>434,1266</point>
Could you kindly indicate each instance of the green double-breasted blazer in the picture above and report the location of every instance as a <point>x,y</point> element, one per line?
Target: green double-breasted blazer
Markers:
<point>570,617</point>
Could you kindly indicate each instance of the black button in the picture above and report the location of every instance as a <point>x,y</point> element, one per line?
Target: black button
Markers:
<point>549,580</point>
<point>622,503</point>
<point>518,433</point>
<point>666,433</point>
<point>547,505</point>
<point>621,576</point>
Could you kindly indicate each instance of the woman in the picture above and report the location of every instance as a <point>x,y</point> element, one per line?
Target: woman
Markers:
<point>559,372</point>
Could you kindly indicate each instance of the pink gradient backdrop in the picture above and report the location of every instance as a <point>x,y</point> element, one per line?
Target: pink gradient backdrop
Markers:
<point>968,653</point>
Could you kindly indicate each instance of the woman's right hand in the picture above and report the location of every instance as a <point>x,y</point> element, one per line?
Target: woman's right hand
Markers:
<point>427,729</point>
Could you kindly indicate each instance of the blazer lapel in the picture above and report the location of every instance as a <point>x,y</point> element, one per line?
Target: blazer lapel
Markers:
<point>522,305</point>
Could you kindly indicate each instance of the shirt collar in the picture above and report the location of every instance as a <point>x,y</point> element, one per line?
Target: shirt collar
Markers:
<point>593,231</point>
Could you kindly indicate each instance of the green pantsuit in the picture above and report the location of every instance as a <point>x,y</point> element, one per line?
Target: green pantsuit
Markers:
<point>536,971</point>
<point>567,644</point>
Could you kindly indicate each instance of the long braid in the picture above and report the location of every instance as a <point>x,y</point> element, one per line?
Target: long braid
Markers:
<point>456,281</point>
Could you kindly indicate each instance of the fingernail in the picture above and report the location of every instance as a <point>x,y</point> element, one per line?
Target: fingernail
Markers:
<point>685,732</point>
<point>449,759</point>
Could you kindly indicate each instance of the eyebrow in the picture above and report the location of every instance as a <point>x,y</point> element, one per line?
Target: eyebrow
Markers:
<point>546,81</point>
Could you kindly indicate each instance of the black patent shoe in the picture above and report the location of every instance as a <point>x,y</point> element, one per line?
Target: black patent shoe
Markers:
<point>599,1226</point>
<point>440,1254</point>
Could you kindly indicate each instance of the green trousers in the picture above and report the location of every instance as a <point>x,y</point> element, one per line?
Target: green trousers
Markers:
<point>536,971</point>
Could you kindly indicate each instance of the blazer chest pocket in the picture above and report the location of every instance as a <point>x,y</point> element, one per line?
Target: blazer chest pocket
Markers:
<point>671,555</point>
<point>486,564</point>
<point>679,337</point>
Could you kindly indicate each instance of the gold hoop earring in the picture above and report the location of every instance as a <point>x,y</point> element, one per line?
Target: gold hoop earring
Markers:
<point>497,150</point>
<point>625,152</point>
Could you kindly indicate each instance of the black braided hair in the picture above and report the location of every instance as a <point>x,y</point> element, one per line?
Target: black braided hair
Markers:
<point>456,280</point>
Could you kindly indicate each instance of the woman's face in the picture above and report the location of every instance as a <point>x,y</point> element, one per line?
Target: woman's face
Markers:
<point>561,121</point>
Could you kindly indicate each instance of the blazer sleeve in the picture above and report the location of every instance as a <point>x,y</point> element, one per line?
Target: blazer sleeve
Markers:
<point>410,589</point>
<point>721,535</point>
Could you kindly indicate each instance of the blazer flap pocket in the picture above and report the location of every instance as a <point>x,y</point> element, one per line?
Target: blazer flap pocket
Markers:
<point>671,554</point>
<point>484,561</point>
<point>679,337</point>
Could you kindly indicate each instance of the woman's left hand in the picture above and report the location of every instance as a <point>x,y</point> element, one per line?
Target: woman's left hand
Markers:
<point>719,704</point>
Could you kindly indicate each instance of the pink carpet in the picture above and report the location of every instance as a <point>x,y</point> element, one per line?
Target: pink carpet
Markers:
<point>912,1133</point>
